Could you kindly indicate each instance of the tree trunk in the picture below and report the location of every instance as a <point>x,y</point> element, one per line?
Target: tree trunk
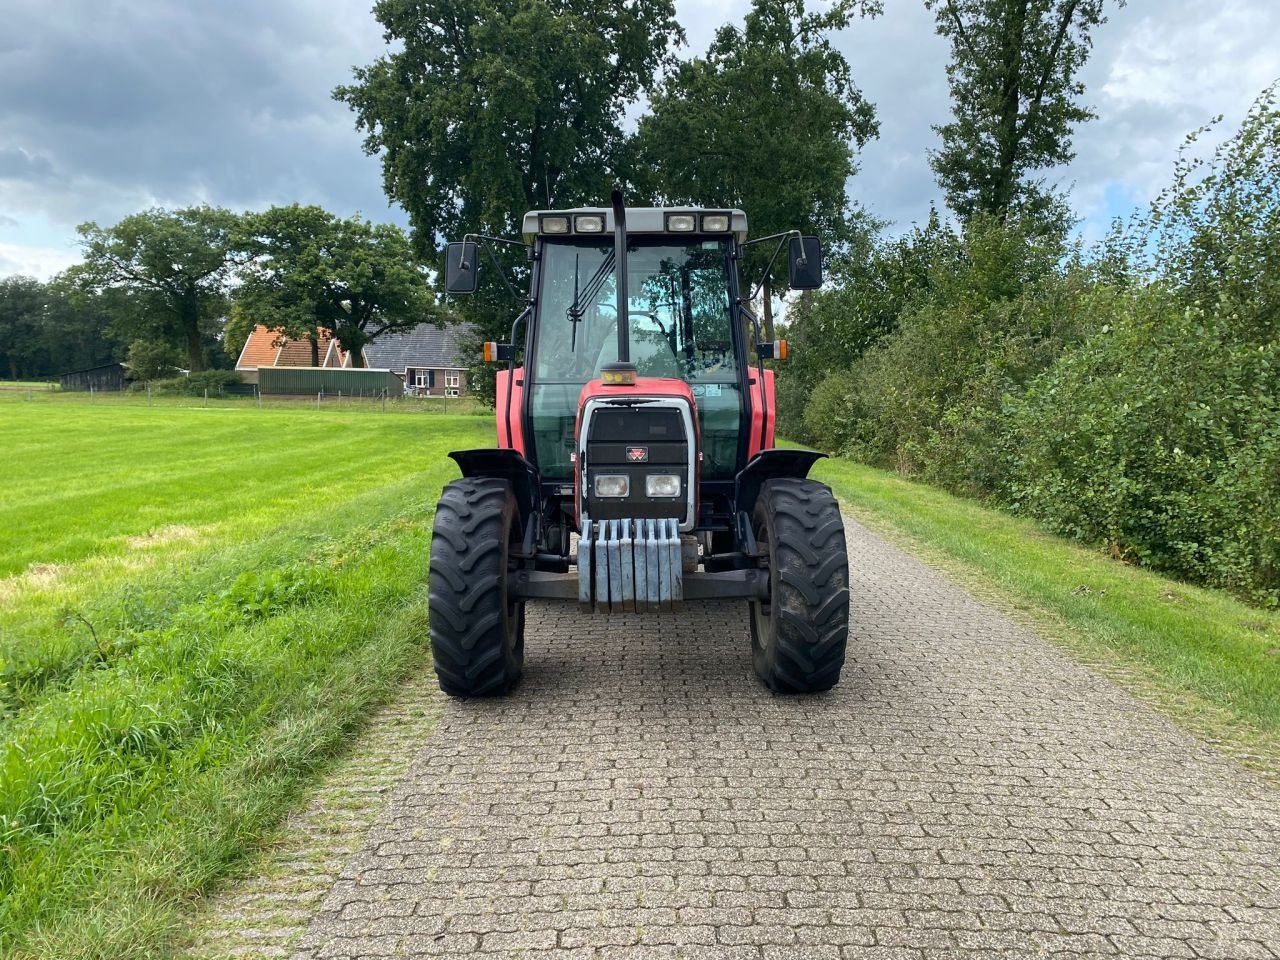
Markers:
<point>315,348</point>
<point>191,328</point>
<point>357,356</point>
<point>766,291</point>
<point>1010,103</point>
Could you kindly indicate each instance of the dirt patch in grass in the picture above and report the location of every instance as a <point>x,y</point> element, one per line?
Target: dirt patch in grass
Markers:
<point>38,576</point>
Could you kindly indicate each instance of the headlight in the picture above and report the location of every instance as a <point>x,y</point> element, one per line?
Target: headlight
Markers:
<point>715,223</point>
<point>682,222</point>
<point>613,485</point>
<point>662,485</point>
<point>588,224</point>
<point>554,225</point>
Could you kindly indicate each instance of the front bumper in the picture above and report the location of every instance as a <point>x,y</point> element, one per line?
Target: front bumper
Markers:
<point>635,566</point>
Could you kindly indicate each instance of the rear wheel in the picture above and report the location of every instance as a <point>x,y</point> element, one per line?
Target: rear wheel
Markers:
<point>477,631</point>
<point>798,637</point>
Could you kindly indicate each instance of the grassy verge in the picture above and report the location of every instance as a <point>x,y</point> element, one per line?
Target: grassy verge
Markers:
<point>1205,659</point>
<point>198,611</point>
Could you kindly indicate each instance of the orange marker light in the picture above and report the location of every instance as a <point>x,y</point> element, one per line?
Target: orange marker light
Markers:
<point>780,349</point>
<point>618,378</point>
<point>490,351</point>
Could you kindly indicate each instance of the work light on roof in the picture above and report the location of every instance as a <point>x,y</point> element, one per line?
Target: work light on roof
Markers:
<point>715,223</point>
<point>588,224</point>
<point>682,222</point>
<point>554,224</point>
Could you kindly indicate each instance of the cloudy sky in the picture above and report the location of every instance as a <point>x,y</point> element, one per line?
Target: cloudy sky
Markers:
<point>111,106</point>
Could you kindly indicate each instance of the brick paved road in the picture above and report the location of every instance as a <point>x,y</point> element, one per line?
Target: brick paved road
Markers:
<point>967,789</point>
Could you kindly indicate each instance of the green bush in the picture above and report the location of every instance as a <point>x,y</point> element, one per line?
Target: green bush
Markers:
<point>993,317</point>
<point>1161,439</point>
<point>1130,398</point>
<point>215,381</point>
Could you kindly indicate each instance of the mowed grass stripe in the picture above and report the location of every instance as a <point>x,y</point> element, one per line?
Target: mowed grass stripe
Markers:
<point>191,468</point>
<point>149,759</point>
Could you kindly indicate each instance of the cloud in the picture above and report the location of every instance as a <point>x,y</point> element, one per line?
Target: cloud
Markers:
<point>31,261</point>
<point>111,107</point>
<point>108,108</point>
<point>1159,69</point>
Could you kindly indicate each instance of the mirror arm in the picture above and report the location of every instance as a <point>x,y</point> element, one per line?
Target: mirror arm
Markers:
<point>782,238</point>
<point>488,241</point>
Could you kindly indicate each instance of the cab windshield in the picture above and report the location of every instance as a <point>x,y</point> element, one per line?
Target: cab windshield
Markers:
<point>679,325</point>
<point>678,311</point>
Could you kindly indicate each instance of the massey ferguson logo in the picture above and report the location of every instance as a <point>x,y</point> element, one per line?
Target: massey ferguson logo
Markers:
<point>637,454</point>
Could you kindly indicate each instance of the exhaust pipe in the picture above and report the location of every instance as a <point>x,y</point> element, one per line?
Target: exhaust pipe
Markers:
<point>620,270</point>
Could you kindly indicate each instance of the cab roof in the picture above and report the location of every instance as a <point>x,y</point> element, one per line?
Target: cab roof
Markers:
<point>646,220</point>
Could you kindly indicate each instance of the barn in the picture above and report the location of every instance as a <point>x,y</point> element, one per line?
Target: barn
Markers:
<point>107,378</point>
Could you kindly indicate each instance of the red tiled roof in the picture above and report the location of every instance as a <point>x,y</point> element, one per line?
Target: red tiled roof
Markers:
<point>260,349</point>
<point>271,348</point>
<point>297,353</point>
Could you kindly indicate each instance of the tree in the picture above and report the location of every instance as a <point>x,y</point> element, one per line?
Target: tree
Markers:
<point>22,303</point>
<point>310,270</point>
<point>173,265</point>
<point>490,108</point>
<point>152,360</point>
<point>768,120</point>
<point>1015,100</point>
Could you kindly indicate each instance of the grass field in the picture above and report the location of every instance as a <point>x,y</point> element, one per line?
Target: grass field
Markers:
<point>1205,659</point>
<point>197,607</point>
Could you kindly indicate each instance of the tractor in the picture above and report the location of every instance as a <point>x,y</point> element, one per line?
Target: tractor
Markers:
<point>635,469</point>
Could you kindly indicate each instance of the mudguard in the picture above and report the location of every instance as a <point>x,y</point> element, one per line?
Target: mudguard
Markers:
<point>504,464</point>
<point>768,465</point>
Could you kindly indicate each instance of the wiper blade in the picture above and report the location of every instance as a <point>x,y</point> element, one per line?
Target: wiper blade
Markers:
<point>576,311</point>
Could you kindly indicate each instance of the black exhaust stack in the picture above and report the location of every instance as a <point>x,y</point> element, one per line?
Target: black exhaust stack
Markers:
<point>620,271</point>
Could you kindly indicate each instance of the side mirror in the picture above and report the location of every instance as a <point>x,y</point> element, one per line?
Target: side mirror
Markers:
<point>461,267</point>
<point>804,263</point>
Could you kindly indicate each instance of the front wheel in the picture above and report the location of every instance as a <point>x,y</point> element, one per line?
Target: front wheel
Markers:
<point>798,636</point>
<point>477,631</point>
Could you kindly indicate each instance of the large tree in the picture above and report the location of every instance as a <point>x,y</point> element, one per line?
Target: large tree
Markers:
<point>311,270</point>
<point>1015,98</point>
<point>22,304</point>
<point>489,108</point>
<point>768,120</point>
<point>173,266</point>
<point>51,328</point>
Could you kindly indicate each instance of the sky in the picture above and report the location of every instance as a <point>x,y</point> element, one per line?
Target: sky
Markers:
<point>108,107</point>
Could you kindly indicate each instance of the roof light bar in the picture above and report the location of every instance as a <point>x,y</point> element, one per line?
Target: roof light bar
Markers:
<point>556,225</point>
<point>715,223</point>
<point>588,224</point>
<point>681,222</point>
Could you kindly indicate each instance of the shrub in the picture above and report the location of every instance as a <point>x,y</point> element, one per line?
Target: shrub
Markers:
<point>215,381</point>
<point>1160,438</point>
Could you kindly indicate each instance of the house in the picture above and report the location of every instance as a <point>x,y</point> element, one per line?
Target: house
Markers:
<point>427,358</point>
<point>271,348</point>
<point>108,377</point>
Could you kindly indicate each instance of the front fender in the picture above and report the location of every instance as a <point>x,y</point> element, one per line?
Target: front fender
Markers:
<point>504,464</point>
<point>769,465</point>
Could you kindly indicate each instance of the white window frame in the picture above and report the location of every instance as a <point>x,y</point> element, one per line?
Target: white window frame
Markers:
<point>420,379</point>
<point>453,381</point>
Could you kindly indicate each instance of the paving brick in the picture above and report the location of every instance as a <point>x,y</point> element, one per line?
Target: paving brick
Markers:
<point>967,790</point>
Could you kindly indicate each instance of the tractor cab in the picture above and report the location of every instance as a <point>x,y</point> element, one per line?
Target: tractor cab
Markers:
<point>635,456</point>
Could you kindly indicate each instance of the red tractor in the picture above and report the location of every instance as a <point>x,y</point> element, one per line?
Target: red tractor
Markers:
<point>639,423</point>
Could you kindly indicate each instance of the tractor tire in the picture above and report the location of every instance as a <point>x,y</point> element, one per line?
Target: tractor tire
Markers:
<point>477,633</point>
<point>798,637</point>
